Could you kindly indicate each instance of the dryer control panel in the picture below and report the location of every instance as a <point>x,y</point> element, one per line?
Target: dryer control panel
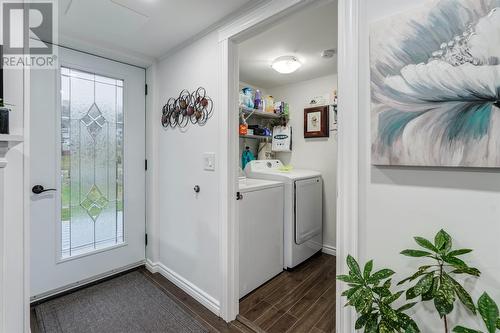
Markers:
<point>262,165</point>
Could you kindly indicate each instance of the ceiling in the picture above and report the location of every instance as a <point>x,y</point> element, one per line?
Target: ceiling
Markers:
<point>139,31</point>
<point>303,35</point>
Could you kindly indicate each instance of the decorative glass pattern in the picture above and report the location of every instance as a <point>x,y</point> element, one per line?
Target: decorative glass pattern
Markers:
<point>94,203</point>
<point>94,121</point>
<point>91,162</point>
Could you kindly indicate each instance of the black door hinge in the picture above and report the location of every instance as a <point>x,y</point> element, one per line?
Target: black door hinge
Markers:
<point>146,239</point>
<point>239,196</point>
<point>146,165</point>
<point>145,89</point>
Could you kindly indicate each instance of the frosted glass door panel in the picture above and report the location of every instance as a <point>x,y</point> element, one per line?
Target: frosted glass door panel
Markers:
<point>91,162</point>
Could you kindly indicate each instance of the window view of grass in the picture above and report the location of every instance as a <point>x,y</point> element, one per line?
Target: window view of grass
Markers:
<point>66,188</point>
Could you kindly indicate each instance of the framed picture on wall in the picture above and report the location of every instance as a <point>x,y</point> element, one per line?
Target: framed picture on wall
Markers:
<point>316,122</point>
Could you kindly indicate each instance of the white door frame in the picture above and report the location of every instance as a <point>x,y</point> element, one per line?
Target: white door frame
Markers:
<point>27,183</point>
<point>347,200</point>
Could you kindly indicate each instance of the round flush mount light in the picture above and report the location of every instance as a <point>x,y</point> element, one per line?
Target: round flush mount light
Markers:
<point>286,64</point>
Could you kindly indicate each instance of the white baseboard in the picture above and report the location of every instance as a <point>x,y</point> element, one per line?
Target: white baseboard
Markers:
<point>206,300</point>
<point>328,249</point>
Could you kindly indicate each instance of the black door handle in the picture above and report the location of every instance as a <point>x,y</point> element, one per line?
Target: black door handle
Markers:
<point>37,189</point>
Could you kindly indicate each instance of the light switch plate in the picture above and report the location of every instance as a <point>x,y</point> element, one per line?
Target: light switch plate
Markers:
<point>209,161</point>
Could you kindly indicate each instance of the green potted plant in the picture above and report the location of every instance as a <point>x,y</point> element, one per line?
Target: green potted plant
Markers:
<point>371,296</point>
<point>488,310</point>
<point>436,279</point>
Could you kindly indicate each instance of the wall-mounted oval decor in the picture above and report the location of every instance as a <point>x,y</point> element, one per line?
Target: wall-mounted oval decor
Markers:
<point>195,108</point>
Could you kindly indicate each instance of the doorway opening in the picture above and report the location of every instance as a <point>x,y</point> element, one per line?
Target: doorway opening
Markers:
<point>287,171</point>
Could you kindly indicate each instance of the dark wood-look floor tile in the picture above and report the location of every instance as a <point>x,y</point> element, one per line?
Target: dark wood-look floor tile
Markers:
<point>294,279</point>
<point>238,327</point>
<point>296,300</point>
<point>316,330</point>
<point>258,311</point>
<point>311,317</point>
<point>283,324</point>
<point>322,284</point>
<point>296,294</point>
<point>270,317</point>
<point>327,322</point>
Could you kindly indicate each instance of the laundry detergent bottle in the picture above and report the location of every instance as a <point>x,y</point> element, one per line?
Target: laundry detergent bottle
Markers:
<point>246,157</point>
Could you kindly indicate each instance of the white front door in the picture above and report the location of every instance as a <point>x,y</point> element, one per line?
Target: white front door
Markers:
<point>88,144</point>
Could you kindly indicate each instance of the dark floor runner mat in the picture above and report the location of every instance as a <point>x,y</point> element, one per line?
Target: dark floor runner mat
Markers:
<point>129,303</point>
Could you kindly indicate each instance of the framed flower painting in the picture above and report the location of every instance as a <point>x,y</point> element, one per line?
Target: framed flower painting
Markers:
<point>435,85</point>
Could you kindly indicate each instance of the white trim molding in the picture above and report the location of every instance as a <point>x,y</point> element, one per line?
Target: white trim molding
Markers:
<point>235,32</point>
<point>6,143</point>
<point>348,167</point>
<point>228,230</point>
<point>205,299</point>
<point>253,18</point>
<point>330,250</point>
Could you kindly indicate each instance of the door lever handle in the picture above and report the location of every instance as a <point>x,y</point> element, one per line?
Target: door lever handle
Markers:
<point>37,189</point>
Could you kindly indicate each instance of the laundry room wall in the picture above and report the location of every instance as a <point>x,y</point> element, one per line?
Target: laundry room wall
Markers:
<point>316,154</point>
<point>188,223</point>
<point>397,203</point>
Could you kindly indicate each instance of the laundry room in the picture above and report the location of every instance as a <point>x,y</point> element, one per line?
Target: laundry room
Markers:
<point>288,172</point>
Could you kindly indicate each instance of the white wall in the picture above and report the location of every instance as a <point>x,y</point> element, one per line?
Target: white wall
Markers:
<point>188,223</point>
<point>316,153</point>
<point>398,203</point>
<point>14,232</point>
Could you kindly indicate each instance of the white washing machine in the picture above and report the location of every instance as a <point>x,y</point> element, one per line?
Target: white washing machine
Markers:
<point>303,205</point>
<point>261,232</point>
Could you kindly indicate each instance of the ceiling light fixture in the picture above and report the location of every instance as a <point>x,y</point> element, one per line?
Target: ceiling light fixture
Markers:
<point>286,64</point>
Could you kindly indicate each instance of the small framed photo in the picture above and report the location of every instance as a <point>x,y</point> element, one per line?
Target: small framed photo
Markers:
<point>316,122</point>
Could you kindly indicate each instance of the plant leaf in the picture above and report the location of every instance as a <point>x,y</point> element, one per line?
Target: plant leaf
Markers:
<point>425,244</point>
<point>410,293</point>
<point>389,313</point>
<point>408,324</point>
<point>362,320</point>
<point>393,298</point>
<point>349,279</point>
<point>381,275</point>
<point>354,266</point>
<point>443,241</point>
<point>384,328</point>
<point>412,328</point>
<point>460,329</point>
<point>489,312</point>
<point>444,298</point>
<point>459,252</point>
<point>382,291</point>
<point>498,323</point>
<point>407,306</point>
<point>368,269</point>
<point>467,270</point>
<point>462,294</point>
<point>415,253</point>
<point>349,292</point>
<point>421,271</point>
<point>372,323</point>
<point>454,261</point>
<point>432,291</point>
<point>424,285</point>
